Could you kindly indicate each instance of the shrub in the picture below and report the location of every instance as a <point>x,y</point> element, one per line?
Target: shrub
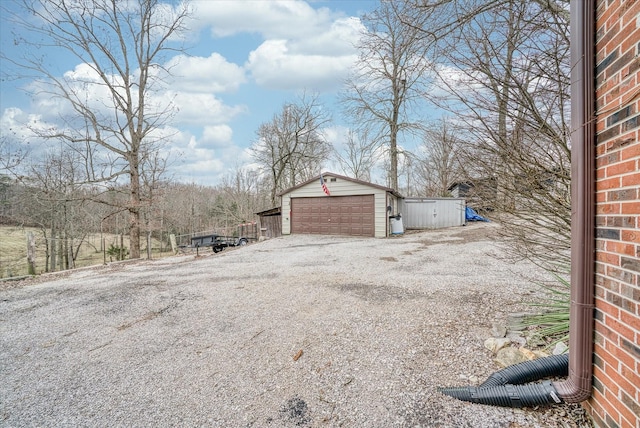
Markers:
<point>551,324</point>
<point>120,253</point>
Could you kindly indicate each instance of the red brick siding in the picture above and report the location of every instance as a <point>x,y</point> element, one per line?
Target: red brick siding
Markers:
<point>616,386</point>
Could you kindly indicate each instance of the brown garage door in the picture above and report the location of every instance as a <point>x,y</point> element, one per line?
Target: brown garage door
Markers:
<point>334,215</point>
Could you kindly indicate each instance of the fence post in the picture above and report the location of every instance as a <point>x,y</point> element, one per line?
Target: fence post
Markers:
<point>31,254</point>
<point>174,246</point>
<point>72,262</point>
<point>149,245</point>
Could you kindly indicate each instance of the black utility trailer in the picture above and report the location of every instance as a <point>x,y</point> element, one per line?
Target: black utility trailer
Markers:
<point>218,242</point>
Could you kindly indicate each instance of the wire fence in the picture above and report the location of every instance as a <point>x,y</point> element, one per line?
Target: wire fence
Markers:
<point>55,254</point>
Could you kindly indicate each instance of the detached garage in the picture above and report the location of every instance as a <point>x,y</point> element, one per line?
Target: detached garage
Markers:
<point>347,207</point>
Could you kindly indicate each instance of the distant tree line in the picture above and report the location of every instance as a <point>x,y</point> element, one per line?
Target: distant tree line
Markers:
<point>67,215</point>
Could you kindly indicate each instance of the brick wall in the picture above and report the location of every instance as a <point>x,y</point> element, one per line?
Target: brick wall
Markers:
<point>616,392</point>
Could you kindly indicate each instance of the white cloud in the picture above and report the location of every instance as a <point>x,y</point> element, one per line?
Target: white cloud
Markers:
<point>191,95</point>
<point>205,158</point>
<point>166,15</point>
<point>83,84</point>
<point>83,72</point>
<point>273,65</point>
<point>198,74</point>
<point>202,109</point>
<point>336,40</point>
<point>217,136</point>
<point>271,19</point>
<point>448,78</point>
<point>336,135</point>
<point>204,164</point>
<point>17,125</point>
<point>302,47</point>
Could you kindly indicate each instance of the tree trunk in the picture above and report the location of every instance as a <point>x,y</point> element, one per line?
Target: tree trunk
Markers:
<point>393,158</point>
<point>60,253</point>
<point>398,94</point>
<point>504,177</point>
<point>47,252</point>
<point>134,208</point>
<point>31,254</point>
<point>134,233</point>
<point>53,251</point>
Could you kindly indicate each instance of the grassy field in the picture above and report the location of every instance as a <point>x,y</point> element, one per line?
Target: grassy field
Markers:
<point>13,250</point>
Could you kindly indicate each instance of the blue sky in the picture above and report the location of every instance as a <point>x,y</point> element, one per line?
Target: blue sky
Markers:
<point>245,59</point>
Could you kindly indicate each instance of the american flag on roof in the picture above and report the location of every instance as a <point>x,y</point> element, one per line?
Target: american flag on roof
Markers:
<point>324,186</point>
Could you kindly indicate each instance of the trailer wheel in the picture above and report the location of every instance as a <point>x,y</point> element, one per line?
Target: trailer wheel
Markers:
<point>242,242</point>
<point>217,249</point>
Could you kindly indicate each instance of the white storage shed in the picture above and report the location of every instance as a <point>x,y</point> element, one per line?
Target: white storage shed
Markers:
<point>432,213</point>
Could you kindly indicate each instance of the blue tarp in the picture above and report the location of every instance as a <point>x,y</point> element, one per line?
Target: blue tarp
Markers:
<point>471,215</point>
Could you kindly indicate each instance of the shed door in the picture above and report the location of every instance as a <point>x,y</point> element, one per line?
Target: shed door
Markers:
<point>334,215</point>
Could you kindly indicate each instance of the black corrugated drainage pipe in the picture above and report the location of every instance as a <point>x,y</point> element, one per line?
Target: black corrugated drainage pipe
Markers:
<point>528,371</point>
<point>502,388</point>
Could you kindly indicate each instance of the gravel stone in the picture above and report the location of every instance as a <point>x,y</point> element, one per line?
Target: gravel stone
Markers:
<point>297,331</point>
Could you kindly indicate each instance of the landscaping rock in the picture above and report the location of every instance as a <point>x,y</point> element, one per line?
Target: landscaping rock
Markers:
<point>528,353</point>
<point>498,330</point>
<point>560,348</point>
<point>517,338</point>
<point>509,356</point>
<point>494,344</point>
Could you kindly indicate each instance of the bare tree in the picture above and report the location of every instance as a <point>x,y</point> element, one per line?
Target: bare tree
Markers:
<point>55,202</point>
<point>383,92</point>
<point>153,184</point>
<point>239,198</point>
<point>186,208</point>
<point>109,113</point>
<point>504,73</point>
<point>359,155</point>
<point>10,157</point>
<point>440,167</point>
<point>291,148</point>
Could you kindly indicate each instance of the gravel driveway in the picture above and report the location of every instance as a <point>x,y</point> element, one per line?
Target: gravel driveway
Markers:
<point>302,331</point>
